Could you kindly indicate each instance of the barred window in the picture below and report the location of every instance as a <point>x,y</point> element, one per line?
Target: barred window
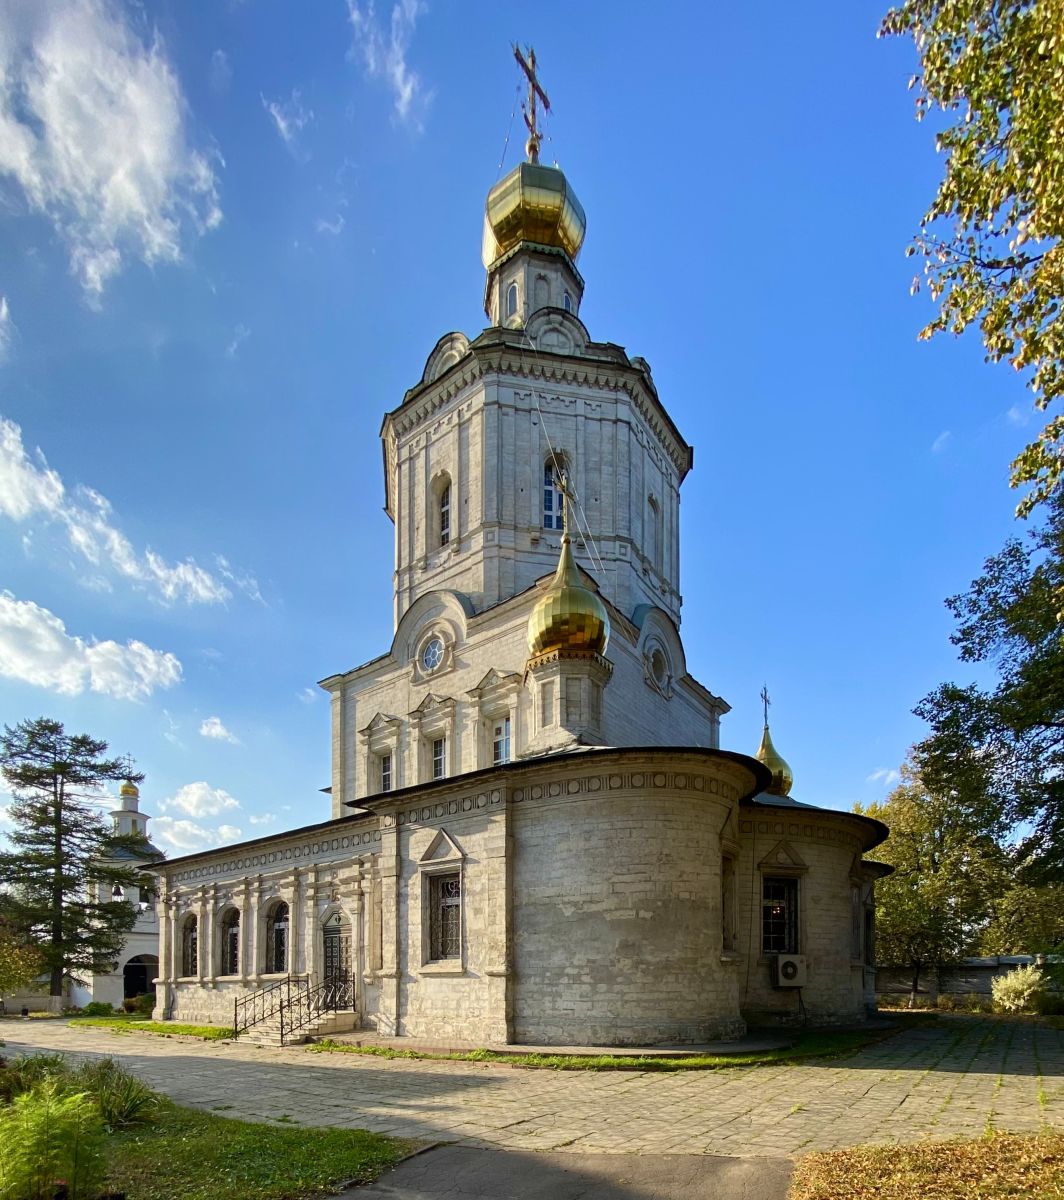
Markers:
<point>779,916</point>
<point>230,964</point>
<point>190,947</point>
<point>445,916</point>
<point>277,939</point>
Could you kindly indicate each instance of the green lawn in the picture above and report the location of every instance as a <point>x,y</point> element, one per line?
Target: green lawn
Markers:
<point>999,1167</point>
<point>188,1155</point>
<point>132,1024</point>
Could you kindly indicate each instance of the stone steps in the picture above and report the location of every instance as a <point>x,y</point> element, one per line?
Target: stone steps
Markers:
<point>268,1032</point>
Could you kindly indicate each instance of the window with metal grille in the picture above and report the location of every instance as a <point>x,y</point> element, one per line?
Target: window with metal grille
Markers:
<point>190,947</point>
<point>277,939</point>
<point>779,916</point>
<point>386,772</point>
<point>445,916</point>
<point>439,758</point>
<point>230,964</point>
<point>445,514</point>
<point>553,500</point>
<point>500,741</point>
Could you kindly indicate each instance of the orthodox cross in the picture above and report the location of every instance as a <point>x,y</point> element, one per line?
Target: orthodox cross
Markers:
<point>766,702</point>
<point>528,65</point>
<point>127,761</point>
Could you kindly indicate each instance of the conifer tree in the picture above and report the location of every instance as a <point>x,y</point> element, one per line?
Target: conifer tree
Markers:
<point>57,888</point>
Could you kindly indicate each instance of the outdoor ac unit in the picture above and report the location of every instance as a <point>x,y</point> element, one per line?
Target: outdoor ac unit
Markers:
<point>789,971</point>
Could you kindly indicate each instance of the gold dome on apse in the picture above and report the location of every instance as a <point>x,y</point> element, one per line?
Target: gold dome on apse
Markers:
<point>129,788</point>
<point>570,617</point>
<point>533,203</point>
<point>782,775</point>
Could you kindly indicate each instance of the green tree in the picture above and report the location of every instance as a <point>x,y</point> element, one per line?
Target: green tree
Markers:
<point>990,241</point>
<point>1007,740</point>
<point>948,868</point>
<point>56,887</point>
<point>20,963</point>
<point>1026,920</point>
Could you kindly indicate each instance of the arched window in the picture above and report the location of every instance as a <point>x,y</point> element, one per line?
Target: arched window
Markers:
<point>230,964</point>
<point>654,534</point>
<point>511,299</point>
<point>277,939</point>
<point>445,513</point>
<point>190,947</point>
<point>567,302</point>
<point>553,500</point>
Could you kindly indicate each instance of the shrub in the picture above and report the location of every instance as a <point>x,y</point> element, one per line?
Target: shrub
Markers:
<point>97,1009</point>
<point>129,1006</point>
<point>21,1074</point>
<point>49,1140</point>
<point>122,1099</point>
<point>146,1004</point>
<point>1020,991</point>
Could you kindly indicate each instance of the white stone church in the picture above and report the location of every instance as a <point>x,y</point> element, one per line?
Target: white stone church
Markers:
<point>535,836</point>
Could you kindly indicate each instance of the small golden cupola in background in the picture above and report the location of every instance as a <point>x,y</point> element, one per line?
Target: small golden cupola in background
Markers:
<point>782,775</point>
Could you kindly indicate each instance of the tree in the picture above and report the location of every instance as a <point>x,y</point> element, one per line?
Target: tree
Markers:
<point>1026,920</point>
<point>990,241</point>
<point>1008,740</point>
<point>948,868</point>
<point>20,963</point>
<point>56,887</point>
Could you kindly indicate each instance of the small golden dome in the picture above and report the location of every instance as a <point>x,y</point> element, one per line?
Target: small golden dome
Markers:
<point>129,788</point>
<point>533,203</point>
<point>782,775</point>
<point>570,617</point>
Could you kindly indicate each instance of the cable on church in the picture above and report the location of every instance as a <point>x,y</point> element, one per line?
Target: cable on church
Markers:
<point>509,130</point>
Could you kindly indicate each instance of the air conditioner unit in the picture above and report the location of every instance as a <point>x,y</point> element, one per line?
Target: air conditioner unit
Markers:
<point>788,971</point>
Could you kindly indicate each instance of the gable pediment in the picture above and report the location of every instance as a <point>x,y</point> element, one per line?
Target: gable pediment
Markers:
<point>496,681</point>
<point>782,857</point>
<point>381,721</point>
<point>431,704</point>
<point>442,848</point>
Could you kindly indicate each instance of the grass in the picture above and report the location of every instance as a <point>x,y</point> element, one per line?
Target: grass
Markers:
<point>999,1167</point>
<point>806,1045</point>
<point>191,1155</point>
<point>128,1024</point>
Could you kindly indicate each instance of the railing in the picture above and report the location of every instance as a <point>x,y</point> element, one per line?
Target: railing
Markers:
<point>260,1006</point>
<point>307,1005</point>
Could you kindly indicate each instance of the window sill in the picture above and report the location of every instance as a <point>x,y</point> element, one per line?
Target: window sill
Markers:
<point>730,956</point>
<point>451,966</point>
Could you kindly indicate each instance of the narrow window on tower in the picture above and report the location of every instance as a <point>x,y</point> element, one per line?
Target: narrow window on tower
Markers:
<point>500,741</point>
<point>553,500</point>
<point>439,758</point>
<point>567,302</point>
<point>386,772</point>
<point>511,300</point>
<point>445,514</point>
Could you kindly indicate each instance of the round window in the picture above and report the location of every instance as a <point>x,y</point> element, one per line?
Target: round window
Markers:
<point>432,654</point>
<point>659,667</point>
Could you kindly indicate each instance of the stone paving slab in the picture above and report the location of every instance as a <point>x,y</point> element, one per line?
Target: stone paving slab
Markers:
<point>960,1077</point>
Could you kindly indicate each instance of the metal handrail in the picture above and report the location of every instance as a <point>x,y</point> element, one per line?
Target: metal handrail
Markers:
<point>259,1006</point>
<point>331,996</point>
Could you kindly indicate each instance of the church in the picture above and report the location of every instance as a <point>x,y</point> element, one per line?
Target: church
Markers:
<point>535,837</point>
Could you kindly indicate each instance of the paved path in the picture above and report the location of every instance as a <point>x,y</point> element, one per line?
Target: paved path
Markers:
<point>958,1078</point>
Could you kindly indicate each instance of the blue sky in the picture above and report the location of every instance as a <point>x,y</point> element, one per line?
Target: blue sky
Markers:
<point>230,235</point>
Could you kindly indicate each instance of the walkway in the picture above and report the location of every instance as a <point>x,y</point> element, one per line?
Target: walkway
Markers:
<point>960,1077</point>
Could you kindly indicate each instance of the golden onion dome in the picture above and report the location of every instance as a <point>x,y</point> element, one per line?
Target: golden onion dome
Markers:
<point>533,203</point>
<point>782,775</point>
<point>129,788</point>
<point>570,617</point>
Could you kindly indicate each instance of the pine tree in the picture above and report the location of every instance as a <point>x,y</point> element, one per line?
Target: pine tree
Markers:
<point>57,888</point>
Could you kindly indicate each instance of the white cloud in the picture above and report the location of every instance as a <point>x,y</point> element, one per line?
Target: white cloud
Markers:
<point>884,775</point>
<point>940,443</point>
<point>384,51</point>
<point>200,800</point>
<point>36,648</point>
<point>1019,415</point>
<point>7,328</point>
<point>213,728</point>
<point>189,837</point>
<point>220,75</point>
<point>92,131</point>
<point>30,488</point>
<point>240,335</point>
<point>308,695</point>
<point>262,818</point>
<point>331,227</point>
<point>290,118</point>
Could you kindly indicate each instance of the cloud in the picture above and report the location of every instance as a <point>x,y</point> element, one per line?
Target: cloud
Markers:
<point>240,335</point>
<point>262,818</point>
<point>289,118</point>
<point>200,800</point>
<point>940,443</point>
<point>308,695</point>
<point>884,775</point>
<point>331,227</point>
<point>189,837</point>
<point>220,73</point>
<point>384,52</point>
<point>7,328</point>
<point>36,648</point>
<point>93,133</point>
<point>1019,415</point>
<point>29,488</point>
<point>213,728</point>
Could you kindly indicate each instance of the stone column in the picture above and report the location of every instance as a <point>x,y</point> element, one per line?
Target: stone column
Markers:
<point>165,980</point>
<point>254,907</point>
<point>388,1021</point>
<point>305,914</point>
<point>247,963</point>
